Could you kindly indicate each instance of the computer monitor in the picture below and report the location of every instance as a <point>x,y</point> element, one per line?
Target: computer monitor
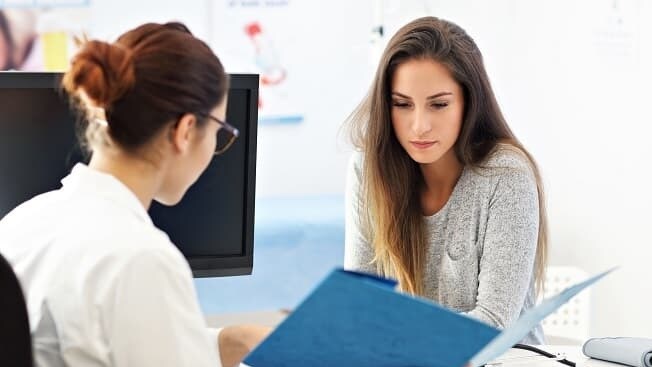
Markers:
<point>213,224</point>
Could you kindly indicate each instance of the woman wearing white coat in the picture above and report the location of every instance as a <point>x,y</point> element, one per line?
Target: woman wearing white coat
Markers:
<point>104,286</point>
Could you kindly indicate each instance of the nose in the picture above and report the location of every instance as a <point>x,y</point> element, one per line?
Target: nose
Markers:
<point>421,125</point>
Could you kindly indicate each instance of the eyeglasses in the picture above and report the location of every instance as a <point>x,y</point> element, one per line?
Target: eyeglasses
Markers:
<point>226,135</point>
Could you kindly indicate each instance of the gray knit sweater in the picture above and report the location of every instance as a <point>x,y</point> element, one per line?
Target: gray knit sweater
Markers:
<point>482,243</point>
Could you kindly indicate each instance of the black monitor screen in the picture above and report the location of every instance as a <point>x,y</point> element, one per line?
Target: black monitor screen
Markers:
<point>212,225</point>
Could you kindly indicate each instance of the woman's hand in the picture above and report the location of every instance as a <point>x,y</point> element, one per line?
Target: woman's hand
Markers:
<point>235,342</point>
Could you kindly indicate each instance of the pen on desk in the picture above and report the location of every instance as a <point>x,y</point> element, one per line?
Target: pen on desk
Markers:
<point>513,360</point>
<point>544,353</point>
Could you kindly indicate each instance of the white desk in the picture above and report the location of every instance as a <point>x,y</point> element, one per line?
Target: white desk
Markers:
<point>265,318</point>
<point>572,353</point>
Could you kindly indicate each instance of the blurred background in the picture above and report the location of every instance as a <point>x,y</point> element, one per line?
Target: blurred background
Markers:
<point>572,77</point>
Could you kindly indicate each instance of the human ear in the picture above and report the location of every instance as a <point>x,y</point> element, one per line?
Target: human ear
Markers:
<point>183,132</point>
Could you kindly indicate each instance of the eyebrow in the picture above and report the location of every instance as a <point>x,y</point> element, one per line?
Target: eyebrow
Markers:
<point>440,94</point>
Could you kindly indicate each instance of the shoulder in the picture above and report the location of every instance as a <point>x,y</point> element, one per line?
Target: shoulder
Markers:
<point>108,236</point>
<point>33,206</point>
<point>132,259</point>
<point>506,163</point>
<point>164,261</point>
<point>506,172</point>
<point>141,243</point>
<point>508,156</point>
<point>29,220</point>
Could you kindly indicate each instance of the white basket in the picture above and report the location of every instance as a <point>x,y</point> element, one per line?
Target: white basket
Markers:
<point>570,323</point>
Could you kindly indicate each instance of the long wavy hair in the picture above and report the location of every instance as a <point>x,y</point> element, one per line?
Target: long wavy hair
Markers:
<point>391,179</point>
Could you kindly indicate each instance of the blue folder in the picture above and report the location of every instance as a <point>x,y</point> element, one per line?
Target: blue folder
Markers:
<point>354,319</point>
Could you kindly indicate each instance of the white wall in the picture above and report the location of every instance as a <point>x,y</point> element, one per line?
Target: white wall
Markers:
<point>110,18</point>
<point>573,79</point>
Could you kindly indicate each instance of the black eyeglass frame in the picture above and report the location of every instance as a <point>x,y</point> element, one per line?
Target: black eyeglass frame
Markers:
<point>232,130</point>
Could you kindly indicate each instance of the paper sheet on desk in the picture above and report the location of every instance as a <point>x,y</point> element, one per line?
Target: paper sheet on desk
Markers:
<point>353,319</point>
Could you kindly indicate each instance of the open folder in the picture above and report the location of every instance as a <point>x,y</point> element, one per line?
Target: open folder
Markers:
<point>354,319</point>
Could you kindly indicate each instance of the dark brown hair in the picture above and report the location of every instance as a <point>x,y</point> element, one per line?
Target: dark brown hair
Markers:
<point>150,77</point>
<point>391,179</point>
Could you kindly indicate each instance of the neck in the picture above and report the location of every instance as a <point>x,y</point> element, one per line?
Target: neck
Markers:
<point>442,175</point>
<point>140,176</point>
<point>440,179</point>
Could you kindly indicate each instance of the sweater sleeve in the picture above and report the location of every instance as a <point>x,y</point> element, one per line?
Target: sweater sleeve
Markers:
<point>509,248</point>
<point>358,250</point>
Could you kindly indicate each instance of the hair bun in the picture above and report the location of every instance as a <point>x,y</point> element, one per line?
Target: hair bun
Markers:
<point>104,72</point>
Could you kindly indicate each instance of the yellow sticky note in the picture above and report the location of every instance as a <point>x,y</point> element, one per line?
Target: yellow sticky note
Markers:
<point>55,50</point>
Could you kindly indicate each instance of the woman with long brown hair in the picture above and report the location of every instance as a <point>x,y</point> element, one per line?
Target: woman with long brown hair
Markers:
<point>442,196</point>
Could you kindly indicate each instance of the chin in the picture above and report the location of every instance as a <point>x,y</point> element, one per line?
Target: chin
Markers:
<point>424,157</point>
<point>169,200</point>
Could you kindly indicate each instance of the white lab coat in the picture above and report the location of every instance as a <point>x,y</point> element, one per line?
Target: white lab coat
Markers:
<point>104,286</point>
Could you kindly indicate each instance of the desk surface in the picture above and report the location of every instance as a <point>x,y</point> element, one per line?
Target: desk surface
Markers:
<point>572,352</point>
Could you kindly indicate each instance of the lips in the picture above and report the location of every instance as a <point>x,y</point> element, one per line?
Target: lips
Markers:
<point>423,144</point>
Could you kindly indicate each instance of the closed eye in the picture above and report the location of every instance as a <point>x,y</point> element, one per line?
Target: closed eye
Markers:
<point>400,104</point>
<point>439,105</point>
